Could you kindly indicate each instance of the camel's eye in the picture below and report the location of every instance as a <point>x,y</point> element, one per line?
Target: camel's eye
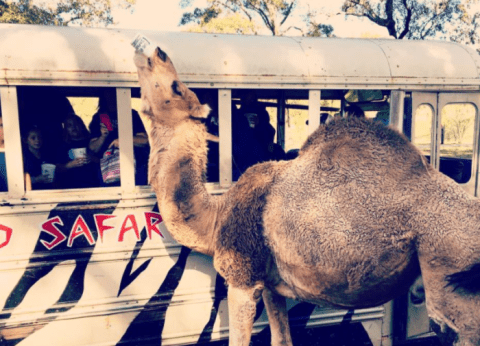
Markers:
<point>149,62</point>
<point>161,54</point>
<point>176,88</point>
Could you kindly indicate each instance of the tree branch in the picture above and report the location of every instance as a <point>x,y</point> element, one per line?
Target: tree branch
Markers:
<point>264,16</point>
<point>366,11</point>
<point>407,21</point>
<point>289,10</point>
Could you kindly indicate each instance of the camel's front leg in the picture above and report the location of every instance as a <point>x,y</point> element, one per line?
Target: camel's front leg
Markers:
<point>278,318</point>
<point>242,305</point>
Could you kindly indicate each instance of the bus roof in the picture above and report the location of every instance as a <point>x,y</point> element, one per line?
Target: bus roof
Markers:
<point>48,55</point>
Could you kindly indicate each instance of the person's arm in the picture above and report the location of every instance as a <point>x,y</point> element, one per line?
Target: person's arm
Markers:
<point>63,167</point>
<point>41,178</point>
<point>140,139</point>
<point>96,143</point>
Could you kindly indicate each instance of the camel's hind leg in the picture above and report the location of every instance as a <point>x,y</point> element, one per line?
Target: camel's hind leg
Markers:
<point>278,318</point>
<point>242,305</point>
<point>454,311</point>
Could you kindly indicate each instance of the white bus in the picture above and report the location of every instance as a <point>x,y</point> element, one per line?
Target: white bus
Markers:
<point>85,261</point>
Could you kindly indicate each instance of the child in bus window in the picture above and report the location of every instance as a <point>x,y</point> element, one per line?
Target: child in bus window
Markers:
<point>34,156</point>
<point>104,132</point>
<point>77,168</point>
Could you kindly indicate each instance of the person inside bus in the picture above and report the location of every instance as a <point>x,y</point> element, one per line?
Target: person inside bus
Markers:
<point>252,135</point>
<point>104,133</point>
<point>34,156</point>
<point>3,166</point>
<point>354,111</point>
<point>77,168</point>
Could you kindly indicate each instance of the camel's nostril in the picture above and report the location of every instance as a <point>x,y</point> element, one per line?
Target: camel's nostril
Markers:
<point>176,88</point>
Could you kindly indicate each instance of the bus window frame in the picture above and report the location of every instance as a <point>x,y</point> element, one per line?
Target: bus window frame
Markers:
<point>445,99</point>
<point>437,100</point>
<point>13,143</point>
<point>225,134</point>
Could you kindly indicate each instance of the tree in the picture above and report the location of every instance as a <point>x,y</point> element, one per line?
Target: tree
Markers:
<point>64,12</point>
<point>314,28</point>
<point>412,19</point>
<point>244,16</point>
<point>467,28</point>
<point>457,119</point>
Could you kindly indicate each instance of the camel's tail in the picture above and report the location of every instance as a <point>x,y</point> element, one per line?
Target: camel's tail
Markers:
<point>467,280</point>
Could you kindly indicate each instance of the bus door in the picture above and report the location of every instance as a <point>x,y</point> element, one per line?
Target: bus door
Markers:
<point>445,127</point>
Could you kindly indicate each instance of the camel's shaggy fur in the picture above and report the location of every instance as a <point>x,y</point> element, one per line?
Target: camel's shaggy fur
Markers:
<point>350,222</point>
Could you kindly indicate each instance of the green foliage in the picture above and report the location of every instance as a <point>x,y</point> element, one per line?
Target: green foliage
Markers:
<point>65,12</point>
<point>241,16</point>
<point>419,19</point>
<point>232,24</point>
<point>457,120</point>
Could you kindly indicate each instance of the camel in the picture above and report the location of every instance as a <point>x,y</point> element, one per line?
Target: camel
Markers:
<point>351,222</point>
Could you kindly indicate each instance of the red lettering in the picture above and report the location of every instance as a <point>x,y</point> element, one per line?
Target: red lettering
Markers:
<point>99,220</point>
<point>125,229</point>
<point>79,228</point>
<point>50,228</point>
<point>8,232</point>
<point>152,220</point>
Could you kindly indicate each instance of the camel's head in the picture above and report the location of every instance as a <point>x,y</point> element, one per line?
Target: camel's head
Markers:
<point>165,98</point>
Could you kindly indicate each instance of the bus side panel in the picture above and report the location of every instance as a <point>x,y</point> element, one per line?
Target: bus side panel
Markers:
<point>101,269</point>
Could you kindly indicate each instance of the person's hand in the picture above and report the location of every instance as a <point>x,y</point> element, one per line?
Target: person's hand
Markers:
<point>114,144</point>
<point>43,178</point>
<point>103,130</point>
<point>78,162</point>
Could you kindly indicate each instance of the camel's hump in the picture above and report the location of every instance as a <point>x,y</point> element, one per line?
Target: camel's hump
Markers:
<point>362,146</point>
<point>358,129</point>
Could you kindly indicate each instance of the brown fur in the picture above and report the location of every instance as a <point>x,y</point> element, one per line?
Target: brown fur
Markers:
<point>350,222</point>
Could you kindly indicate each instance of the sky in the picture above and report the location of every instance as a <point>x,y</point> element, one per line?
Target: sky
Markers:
<point>165,15</point>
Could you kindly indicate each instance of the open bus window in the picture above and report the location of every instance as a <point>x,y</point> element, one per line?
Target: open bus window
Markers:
<point>3,167</point>
<point>253,134</point>
<point>210,97</point>
<point>70,138</point>
<point>457,139</point>
<point>296,126</point>
<point>141,149</point>
<point>422,129</point>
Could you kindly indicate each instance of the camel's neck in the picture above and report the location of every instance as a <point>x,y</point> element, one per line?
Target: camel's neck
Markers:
<point>176,173</point>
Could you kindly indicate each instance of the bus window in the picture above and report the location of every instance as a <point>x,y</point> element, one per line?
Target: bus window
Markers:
<point>210,97</point>
<point>141,147</point>
<point>422,128</point>
<point>456,143</point>
<point>253,135</point>
<point>296,125</point>
<point>42,111</point>
<point>70,138</point>
<point>3,168</point>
